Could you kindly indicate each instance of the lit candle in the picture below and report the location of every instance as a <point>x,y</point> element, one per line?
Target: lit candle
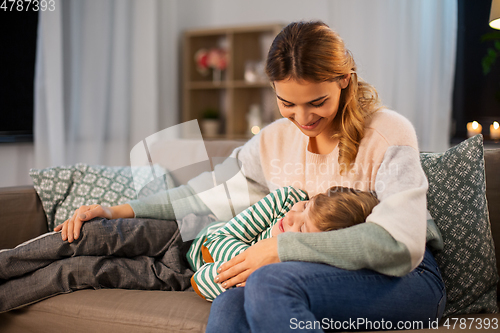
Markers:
<point>473,128</point>
<point>495,131</point>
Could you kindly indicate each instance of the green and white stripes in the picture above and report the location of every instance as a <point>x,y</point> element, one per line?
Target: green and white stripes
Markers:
<point>232,238</point>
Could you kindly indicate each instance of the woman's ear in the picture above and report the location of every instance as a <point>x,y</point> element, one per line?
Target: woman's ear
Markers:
<point>344,81</point>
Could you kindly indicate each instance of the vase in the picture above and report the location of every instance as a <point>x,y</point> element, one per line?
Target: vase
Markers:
<point>217,75</point>
<point>210,127</point>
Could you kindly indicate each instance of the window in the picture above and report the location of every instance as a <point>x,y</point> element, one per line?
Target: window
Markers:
<point>476,96</point>
<point>17,72</point>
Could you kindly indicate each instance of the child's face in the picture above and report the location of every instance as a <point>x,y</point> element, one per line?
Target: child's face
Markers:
<point>297,219</point>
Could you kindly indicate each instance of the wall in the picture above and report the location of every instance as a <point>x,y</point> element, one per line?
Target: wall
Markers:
<point>15,161</point>
<point>174,16</point>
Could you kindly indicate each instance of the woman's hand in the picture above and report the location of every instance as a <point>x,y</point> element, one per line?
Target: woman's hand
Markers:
<point>70,229</point>
<point>237,270</point>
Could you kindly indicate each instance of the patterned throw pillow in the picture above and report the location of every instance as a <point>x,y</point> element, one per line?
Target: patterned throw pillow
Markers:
<point>456,200</point>
<point>63,189</point>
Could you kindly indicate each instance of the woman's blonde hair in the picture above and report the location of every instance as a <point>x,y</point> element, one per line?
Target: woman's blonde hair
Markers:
<point>341,207</point>
<point>311,51</point>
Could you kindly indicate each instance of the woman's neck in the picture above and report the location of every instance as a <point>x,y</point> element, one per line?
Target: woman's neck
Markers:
<point>322,145</point>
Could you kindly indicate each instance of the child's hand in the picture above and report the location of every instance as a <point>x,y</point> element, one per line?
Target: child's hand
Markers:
<point>70,229</point>
<point>237,270</point>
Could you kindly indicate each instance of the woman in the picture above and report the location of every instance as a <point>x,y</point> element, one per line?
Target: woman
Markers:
<point>335,132</point>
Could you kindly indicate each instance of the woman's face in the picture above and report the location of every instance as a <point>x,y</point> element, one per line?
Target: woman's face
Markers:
<point>296,220</point>
<point>310,106</point>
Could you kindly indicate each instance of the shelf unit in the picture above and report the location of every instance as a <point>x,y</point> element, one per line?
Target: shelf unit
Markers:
<point>232,96</point>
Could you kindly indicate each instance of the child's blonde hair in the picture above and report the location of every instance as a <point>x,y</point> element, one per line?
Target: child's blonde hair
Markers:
<point>341,207</point>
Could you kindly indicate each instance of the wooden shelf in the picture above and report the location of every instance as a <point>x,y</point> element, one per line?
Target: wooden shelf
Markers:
<point>245,84</point>
<point>226,85</point>
<point>206,85</point>
<point>233,95</point>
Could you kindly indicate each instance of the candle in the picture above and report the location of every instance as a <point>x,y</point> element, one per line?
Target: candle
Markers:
<point>495,131</point>
<point>473,128</point>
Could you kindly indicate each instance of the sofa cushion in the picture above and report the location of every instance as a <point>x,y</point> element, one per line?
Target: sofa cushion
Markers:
<point>63,189</point>
<point>112,310</point>
<point>456,200</point>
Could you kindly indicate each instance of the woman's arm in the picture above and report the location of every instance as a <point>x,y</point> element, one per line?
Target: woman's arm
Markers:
<point>172,204</point>
<point>235,184</point>
<point>70,229</point>
<point>200,196</point>
<point>168,205</point>
<point>392,241</point>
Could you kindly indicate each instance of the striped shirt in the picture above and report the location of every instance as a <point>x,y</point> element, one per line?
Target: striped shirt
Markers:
<point>221,241</point>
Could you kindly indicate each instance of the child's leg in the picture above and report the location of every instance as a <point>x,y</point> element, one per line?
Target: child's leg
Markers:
<point>75,273</point>
<point>100,237</point>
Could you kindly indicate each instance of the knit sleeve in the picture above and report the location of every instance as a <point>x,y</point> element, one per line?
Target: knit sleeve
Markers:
<point>172,204</point>
<point>235,184</point>
<point>392,241</point>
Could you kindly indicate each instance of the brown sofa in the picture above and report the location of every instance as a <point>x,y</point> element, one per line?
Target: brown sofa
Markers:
<point>114,310</point>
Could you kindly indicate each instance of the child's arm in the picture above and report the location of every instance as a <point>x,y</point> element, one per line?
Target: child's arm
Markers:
<point>203,281</point>
<point>237,235</point>
<point>243,230</point>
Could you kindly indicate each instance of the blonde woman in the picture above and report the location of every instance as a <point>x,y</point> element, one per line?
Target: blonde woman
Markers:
<point>335,131</point>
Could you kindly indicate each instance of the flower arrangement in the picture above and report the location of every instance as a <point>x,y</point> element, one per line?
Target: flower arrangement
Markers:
<point>214,58</point>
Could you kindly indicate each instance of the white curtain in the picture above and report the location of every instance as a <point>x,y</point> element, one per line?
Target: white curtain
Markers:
<point>406,49</point>
<point>96,83</point>
<point>106,74</point>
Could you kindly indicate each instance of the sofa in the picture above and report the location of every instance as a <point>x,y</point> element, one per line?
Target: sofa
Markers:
<point>22,217</point>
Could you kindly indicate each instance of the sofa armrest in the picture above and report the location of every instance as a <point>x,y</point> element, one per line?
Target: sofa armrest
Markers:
<point>21,216</point>
<point>492,165</point>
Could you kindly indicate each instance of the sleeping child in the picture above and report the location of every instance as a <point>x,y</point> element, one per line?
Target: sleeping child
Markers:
<point>284,210</point>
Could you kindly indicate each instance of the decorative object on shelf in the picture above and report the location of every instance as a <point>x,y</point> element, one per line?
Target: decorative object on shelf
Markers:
<point>255,71</point>
<point>473,128</point>
<point>254,119</point>
<point>215,59</point>
<point>495,14</point>
<point>495,131</point>
<point>234,94</point>
<point>210,122</point>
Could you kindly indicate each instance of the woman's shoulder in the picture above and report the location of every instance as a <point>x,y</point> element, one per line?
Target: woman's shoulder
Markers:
<point>392,127</point>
